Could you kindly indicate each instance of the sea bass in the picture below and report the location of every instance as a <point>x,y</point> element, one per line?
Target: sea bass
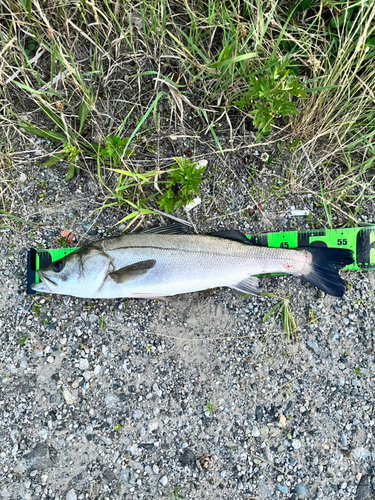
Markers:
<point>159,262</point>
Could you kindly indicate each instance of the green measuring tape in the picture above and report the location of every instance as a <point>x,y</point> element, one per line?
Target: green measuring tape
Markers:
<point>361,240</point>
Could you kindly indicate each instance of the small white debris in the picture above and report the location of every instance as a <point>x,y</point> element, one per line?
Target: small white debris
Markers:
<point>299,213</point>
<point>197,201</point>
<point>50,359</point>
<point>23,177</point>
<point>201,163</point>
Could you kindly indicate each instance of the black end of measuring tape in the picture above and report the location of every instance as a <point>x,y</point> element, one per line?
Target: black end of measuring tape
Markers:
<point>44,260</point>
<point>31,263</point>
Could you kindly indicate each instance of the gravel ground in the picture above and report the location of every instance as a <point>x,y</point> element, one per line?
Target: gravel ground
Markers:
<point>196,396</point>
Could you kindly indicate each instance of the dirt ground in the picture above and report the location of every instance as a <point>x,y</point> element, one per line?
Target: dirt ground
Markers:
<point>191,398</point>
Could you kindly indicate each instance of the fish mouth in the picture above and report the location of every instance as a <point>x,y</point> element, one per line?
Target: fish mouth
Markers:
<point>47,282</point>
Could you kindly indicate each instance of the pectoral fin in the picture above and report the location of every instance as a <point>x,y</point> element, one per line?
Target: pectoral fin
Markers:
<point>133,271</point>
<point>248,285</point>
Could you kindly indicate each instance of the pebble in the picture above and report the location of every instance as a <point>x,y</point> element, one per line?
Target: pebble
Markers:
<point>255,432</point>
<point>43,434</point>
<point>83,364</point>
<point>360,452</point>
<point>163,480</point>
<point>68,396</point>
<point>283,488</point>
<point>300,489</point>
<point>152,426</point>
<point>71,495</point>
<point>296,443</point>
<point>313,345</point>
<point>137,414</point>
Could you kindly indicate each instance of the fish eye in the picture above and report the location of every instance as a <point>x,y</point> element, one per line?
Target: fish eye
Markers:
<point>57,266</point>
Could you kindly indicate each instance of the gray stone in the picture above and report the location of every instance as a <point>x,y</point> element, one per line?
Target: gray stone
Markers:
<point>360,453</point>
<point>300,490</point>
<point>283,488</point>
<point>296,443</point>
<point>313,345</point>
<point>89,228</point>
<point>38,458</point>
<point>127,477</point>
<point>137,414</point>
<point>188,459</point>
<point>364,489</point>
<point>164,480</point>
<point>71,495</point>
<point>255,432</point>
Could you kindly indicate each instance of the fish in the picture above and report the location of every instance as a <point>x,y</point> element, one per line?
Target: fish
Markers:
<point>164,261</point>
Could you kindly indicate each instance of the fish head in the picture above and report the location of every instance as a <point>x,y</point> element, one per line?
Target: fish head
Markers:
<point>81,273</point>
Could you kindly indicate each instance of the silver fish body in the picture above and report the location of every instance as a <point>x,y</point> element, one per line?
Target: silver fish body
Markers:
<point>161,265</point>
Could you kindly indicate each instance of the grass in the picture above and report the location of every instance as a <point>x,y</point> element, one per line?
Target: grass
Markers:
<point>102,81</point>
<point>282,310</point>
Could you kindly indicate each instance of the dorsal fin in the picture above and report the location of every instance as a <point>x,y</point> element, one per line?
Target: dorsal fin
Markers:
<point>174,228</point>
<point>232,234</point>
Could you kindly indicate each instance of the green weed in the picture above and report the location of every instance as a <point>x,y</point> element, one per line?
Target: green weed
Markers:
<point>183,181</point>
<point>282,309</point>
<point>175,493</point>
<point>268,93</point>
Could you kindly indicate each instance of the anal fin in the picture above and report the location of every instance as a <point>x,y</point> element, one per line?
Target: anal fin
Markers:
<point>147,296</point>
<point>247,285</point>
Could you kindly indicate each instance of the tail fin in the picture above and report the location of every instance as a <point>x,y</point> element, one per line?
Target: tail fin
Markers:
<point>326,262</point>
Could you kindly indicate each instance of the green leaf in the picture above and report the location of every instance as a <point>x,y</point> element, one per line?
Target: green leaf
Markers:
<point>266,316</point>
<point>46,134</point>
<point>33,91</point>
<point>23,340</point>
<point>71,171</point>
<point>53,159</point>
<point>130,174</point>
<point>227,62</point>
<point>128,217</point>
<point>83,112</point>
<point>53,116</point>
